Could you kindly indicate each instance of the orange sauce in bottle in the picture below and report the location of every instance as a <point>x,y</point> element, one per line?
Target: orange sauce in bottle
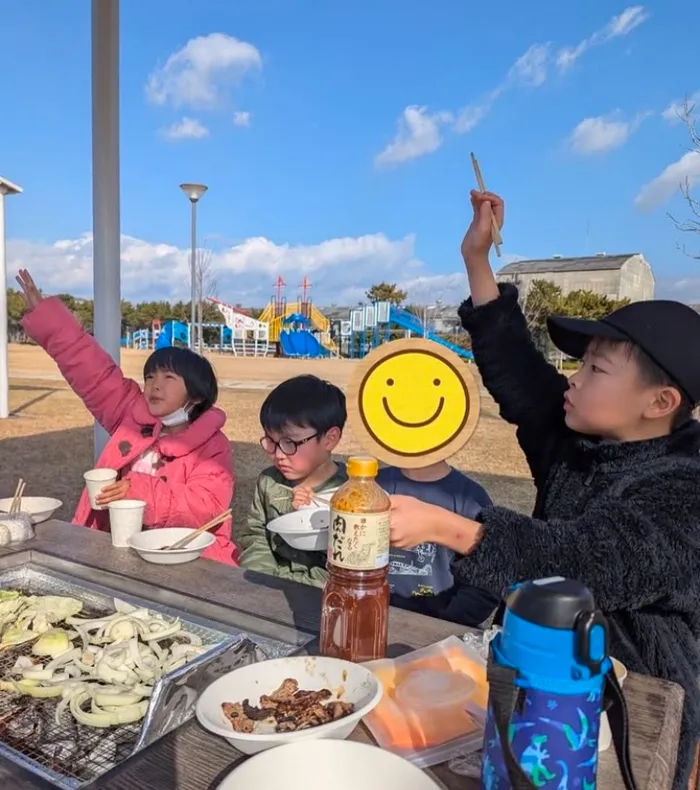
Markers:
<point>355,609</point>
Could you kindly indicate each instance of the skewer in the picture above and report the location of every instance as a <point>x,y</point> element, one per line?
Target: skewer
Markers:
<point>180,544</point>
<point>495,230</point>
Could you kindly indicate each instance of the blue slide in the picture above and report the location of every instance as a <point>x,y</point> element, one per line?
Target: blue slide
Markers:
<point>172,333</point>
<point>302,343</point>
<point>408,321</point>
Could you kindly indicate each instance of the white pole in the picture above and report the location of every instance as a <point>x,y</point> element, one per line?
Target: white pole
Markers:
<point>6,188</point>
<point>4,372</point>
<point>105,183</point>
<point>193,274</point>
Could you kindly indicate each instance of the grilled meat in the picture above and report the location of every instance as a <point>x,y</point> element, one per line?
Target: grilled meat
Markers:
<point>289,708</point>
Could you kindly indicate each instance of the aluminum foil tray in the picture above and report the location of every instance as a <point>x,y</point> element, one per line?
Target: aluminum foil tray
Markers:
<point>70,755</point>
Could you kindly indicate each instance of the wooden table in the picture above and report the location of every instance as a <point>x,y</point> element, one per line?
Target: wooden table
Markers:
<point>192,759</point>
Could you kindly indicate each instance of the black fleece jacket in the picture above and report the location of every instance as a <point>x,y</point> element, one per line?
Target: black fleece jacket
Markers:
<point>623,518</point>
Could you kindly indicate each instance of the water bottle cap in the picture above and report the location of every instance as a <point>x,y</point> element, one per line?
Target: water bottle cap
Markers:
<point>433,688</point>
<point>552,603</point>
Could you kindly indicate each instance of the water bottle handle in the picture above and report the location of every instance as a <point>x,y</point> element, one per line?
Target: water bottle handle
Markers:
<point>615,707</point>
<point>504,699</point>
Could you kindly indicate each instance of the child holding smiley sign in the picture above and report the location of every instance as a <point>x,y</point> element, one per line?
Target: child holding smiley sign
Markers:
<point>615,456</point>
<point>412,403</point>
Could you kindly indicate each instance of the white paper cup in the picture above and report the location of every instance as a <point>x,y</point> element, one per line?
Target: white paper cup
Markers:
<point>605,736</point>
<point>96,480</point>
<point>125,520</point>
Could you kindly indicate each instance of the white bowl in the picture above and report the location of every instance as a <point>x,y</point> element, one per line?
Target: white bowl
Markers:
<point>305,529</point>
<point>347,682</point>
<point>150,543</point>
<point>341,765</point>
<point>40,508</point>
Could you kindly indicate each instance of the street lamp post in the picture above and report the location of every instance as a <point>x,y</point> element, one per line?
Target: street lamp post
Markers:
<point>6,188</point>
<point>194,192</point>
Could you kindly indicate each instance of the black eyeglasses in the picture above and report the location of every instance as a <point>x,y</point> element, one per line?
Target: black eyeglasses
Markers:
<point>287,446</point>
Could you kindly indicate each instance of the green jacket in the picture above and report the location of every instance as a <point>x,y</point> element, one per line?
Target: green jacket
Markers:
<point>264,551</point>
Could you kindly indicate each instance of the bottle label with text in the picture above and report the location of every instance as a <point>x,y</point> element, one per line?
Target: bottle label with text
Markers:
<point>359,541</point>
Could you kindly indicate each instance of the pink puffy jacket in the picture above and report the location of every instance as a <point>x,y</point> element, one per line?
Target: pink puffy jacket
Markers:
<point>195,482</point>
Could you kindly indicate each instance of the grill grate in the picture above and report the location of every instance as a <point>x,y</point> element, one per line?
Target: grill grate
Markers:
<point>29,727</point>
<point>71,755</point>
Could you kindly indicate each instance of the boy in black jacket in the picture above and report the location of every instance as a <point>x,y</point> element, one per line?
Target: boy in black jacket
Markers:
<point>614,453</point>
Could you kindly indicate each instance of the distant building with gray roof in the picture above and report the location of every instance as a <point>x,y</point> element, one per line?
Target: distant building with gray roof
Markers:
<point>615,276</point>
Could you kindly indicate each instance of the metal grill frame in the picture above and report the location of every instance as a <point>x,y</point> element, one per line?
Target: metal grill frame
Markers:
<point>171,704</point>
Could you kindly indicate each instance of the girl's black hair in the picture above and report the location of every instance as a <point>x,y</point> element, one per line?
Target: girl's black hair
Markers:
<point>195,371</point>
<point>305,402</point>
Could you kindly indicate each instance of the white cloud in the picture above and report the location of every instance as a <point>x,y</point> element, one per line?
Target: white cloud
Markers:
<point>675,111</point>
<point>618,26</point>
<point>186,129</point>
<point>625,23</point>
<point>669,181</point>
<point>340,269</point>
<point>471,115</point>
<point>530,69</point>
<point>603,133</point>
<point>418,132</point>
<point>198,75</point>
<point>241,118</point>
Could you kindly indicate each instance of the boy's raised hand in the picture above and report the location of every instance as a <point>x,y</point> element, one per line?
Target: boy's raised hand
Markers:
<point>477,240</point>
<point>31,294</point>
<point>302,496</point>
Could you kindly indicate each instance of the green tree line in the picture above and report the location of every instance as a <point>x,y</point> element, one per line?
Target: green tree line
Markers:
<point>137,315</point>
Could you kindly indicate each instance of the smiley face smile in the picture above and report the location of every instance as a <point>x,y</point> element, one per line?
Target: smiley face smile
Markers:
<point>406,423</point>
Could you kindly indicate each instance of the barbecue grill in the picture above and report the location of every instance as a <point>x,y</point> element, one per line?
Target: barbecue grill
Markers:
<point>71,755</point>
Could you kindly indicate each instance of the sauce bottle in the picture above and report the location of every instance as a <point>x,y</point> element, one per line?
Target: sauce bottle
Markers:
<point>355,610</point>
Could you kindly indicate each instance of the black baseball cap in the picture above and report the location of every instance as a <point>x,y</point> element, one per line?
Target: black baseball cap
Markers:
<point>667,332</point>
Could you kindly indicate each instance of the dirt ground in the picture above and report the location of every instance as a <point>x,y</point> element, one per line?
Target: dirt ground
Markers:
<point>48,439</point>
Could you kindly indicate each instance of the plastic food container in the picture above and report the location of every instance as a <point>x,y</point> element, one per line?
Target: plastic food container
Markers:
<point>434,703</point>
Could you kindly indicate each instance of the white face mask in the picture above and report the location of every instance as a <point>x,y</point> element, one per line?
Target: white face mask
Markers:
<point>178,417</point>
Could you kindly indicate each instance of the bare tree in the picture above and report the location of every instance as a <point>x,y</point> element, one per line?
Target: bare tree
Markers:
<point>205,286</point>
<point>690,224</point>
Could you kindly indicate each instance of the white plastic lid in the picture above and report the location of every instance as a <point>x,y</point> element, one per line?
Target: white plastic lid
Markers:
<point>432,688</point>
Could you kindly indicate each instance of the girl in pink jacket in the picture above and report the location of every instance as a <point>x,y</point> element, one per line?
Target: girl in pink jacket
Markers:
<point>166,442</point>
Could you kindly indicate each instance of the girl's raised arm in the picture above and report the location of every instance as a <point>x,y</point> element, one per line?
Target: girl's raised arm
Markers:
<point>92,374</point>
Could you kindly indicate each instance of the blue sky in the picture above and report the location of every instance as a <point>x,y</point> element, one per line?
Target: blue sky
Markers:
<point>290,111</point>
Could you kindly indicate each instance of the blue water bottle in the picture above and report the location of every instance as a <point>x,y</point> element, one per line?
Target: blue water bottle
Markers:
<point>550,678</point>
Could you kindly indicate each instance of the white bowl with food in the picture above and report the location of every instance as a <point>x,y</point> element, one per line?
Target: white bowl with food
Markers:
<point>305,529</point>
<point>39,508</point>
<point>283,700</point>
<point>341,765</point>
<point>150,545</point>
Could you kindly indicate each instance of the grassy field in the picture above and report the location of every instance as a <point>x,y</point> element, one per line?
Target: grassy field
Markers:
<point>48,439</point>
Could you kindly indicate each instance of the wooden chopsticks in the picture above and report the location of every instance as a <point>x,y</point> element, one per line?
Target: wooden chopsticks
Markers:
<point>495,230</point>
<point>180,544</point>
<point>316,498</point>
<point>16,504</point>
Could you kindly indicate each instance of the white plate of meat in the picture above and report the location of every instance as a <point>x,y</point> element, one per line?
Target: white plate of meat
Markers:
<point>284,700</point>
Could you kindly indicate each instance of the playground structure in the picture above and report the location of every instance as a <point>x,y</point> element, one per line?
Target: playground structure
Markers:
<point>299,327</point>
<point>240,334</point>
<point>371,325</point>
<point>293,329</point>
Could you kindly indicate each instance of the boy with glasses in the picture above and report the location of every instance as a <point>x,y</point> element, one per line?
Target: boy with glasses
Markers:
<point>303,420</point>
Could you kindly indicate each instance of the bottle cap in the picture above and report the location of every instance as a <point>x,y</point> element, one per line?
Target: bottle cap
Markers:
<point>363,466</point>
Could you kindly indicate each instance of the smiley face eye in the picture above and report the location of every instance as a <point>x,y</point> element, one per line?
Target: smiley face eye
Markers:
<point>390,382</point>
<point>437,382</point>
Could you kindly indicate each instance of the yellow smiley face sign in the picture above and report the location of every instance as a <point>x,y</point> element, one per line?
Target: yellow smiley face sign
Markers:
<point>412,403</point>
